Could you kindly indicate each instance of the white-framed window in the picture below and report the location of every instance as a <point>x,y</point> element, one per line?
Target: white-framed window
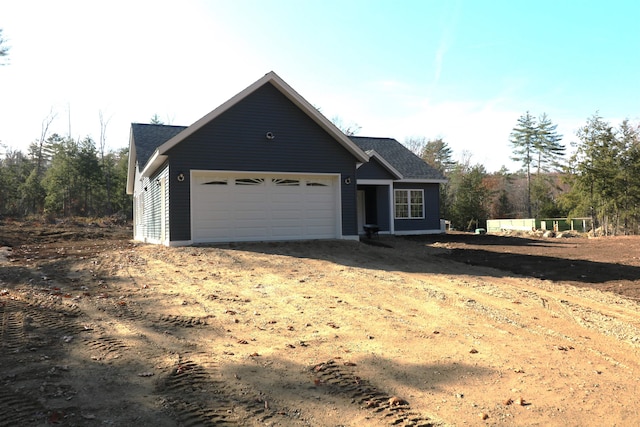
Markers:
<point>409,204</point>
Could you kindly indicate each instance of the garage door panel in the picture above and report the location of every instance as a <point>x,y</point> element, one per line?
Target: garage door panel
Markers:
<point>264,207</point>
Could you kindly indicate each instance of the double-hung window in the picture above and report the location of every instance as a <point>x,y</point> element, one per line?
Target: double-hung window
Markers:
<point>409,204</point>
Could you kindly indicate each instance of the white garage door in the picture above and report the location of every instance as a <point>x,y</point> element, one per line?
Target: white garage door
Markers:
<point>254,207</point>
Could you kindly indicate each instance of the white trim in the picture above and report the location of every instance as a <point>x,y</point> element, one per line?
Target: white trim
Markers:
<point>408,191</point>
<point>153,163</point>
<point>132,164</point>
<point>392,208</point>
<point>418,232</point>
<point>422,181</point>
<point>180,243</point>
<point>375,182</point>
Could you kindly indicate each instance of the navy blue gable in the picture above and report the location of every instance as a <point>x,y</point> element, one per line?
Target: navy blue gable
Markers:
<point>263,132</point>
<point>374,170</point>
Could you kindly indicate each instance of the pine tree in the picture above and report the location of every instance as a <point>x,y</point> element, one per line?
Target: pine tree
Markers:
<point>437,153</point>
<point>547,144</point>
<point>536,145</point>
<point>524,139</point>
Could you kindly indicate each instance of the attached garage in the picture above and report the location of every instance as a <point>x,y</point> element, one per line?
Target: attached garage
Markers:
<point>248,206</point>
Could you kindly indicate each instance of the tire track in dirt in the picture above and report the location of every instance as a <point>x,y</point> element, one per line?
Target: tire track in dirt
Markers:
<point>198,396</point>
<point>19,410</point>
<point>337,379</point>
<point>26,328</point>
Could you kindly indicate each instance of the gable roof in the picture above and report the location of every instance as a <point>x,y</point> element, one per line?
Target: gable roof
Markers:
<point>143,141</point>
<point>409,166</point>
<point>158,156</point>
<point>148,137</point>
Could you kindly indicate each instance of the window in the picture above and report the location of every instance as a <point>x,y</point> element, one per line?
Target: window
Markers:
<point>249,181</point>
<point>280,182</point>
<point>409,204</point>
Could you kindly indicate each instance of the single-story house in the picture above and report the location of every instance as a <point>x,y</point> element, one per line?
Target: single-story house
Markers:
<point>267,165</point>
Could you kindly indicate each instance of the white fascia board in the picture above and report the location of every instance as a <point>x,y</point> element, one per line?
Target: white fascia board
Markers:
<point>152,165</point>
<point>132,164</point>
<point>375,182</point>
<point>422,181</point>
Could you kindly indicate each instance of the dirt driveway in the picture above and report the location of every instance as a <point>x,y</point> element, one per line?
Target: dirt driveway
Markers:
<point>425,331</point>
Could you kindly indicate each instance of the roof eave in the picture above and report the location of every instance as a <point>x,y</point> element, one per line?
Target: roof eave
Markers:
<point>153,164</point>
<point>131,167</point>
<point>424,180</point>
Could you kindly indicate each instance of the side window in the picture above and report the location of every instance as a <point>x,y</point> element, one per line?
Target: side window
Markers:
<point>409,204</point>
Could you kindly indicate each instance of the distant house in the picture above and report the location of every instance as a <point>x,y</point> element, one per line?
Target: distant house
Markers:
<point>266,165</point>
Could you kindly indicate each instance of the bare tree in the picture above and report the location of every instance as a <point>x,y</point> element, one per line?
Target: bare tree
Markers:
<point>102,146</point>
<point>416,144</point>
<point>39,151</point>
<point>349,129</point>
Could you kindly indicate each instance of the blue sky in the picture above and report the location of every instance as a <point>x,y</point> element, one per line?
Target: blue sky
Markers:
<point>460,70</point>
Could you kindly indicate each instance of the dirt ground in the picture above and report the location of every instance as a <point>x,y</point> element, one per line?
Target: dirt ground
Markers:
<point>454,329</point>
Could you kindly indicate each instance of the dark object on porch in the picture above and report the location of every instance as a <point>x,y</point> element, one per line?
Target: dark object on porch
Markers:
<point>371,230</point>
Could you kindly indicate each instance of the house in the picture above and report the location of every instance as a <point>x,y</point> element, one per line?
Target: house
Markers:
<point>267,165</point>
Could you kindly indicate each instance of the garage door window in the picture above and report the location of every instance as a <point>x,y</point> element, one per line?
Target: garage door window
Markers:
<point>286,182</point>
<point>250,181</point>
<point>216,182</point>
<point>409,204</point>
<point>317,184</point>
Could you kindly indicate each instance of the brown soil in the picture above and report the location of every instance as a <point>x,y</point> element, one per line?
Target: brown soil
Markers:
<point>456,329</point>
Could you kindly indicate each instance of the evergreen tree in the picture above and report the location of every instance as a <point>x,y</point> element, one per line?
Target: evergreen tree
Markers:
<point>523,139</point>
<point>437,153</point>
<point>547,145</point>
<point>536,144</point>
<point>15,169</point>
<point>596,169</point>
<point>469,196</point>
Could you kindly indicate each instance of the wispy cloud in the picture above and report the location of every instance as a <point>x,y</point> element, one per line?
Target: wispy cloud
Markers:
<point>450,23</point>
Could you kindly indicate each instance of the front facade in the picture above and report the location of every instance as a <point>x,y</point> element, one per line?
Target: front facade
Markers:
<point>397,191</point>
<point>264,166</point>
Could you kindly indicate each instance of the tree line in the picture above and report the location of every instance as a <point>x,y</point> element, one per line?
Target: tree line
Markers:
<point>600,180</point>
<point>62,177</point>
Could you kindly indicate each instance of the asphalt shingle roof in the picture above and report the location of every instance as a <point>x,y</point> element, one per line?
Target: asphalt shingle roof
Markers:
<point>398,156</point>
<point>148,137</point>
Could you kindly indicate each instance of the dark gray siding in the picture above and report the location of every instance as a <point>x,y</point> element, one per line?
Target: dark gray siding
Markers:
<point>382,208</point>
<point>236,140</point>
<point>373,170</point>
<point>431,209</point>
